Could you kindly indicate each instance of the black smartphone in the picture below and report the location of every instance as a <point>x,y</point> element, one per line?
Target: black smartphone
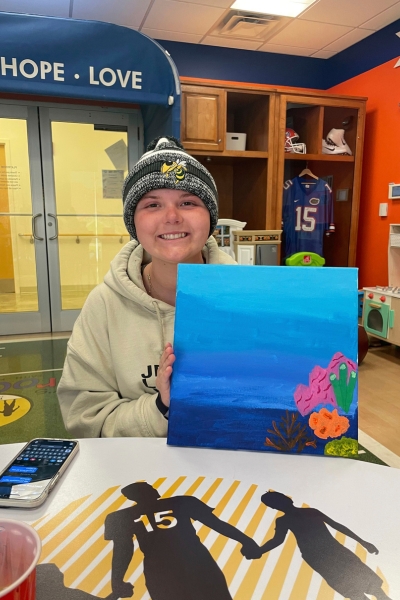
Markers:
<point>29,478</point>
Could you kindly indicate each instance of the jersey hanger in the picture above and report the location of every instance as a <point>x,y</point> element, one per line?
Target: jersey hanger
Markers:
<point>307,171</point>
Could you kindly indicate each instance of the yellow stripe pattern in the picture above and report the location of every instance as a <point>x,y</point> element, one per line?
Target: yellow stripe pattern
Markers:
<point>73,539</point>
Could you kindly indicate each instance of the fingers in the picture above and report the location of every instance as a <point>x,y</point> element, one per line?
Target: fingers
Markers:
<point>166,362</point>
<point>164,373</point>
<point>168,351</point>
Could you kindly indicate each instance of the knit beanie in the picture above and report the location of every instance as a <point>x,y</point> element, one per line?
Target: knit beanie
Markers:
<point>166,164</point>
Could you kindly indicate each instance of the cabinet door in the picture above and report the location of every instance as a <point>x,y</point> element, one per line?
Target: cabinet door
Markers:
<point>245,255</point>
<point>394,332</point>
<point>203,118</point>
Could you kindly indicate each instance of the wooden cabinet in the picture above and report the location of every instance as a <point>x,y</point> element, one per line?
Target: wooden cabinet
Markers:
<point>250,182</point>
<point>313,117</point>
<point>394,254</point>
<point>394,332</point>
<point>203,118</point>
<point>244,178</point>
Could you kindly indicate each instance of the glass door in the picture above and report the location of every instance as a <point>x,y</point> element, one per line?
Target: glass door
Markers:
<point>24,298</point>
<point>86,156</point>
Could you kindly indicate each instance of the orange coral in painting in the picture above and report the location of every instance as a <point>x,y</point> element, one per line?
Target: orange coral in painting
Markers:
<point>328,424</point>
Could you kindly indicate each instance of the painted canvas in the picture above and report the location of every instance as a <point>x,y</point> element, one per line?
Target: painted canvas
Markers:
<point>266,359</point>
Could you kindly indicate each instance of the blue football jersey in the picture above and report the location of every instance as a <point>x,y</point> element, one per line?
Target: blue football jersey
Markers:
<point>307,214</point>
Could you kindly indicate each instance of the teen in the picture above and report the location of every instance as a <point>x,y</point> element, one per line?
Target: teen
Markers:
<point>116,378</point>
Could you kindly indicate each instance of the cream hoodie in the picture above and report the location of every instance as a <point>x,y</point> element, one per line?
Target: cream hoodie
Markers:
<point>107,387</point>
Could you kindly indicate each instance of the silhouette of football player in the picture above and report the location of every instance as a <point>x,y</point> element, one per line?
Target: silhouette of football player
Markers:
<point>9,409</point>
<point>177,566</point>
<point>340,568</point>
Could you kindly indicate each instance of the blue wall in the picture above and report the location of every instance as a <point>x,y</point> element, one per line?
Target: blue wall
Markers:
<point>211,62</point>
<point>378,48</point>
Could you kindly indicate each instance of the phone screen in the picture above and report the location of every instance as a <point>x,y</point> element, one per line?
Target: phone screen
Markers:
<point>32,470</point>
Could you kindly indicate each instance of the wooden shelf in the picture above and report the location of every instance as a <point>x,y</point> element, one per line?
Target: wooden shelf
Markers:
<point>322,157</point>
<point>250,183</point>
<point>232,154</point>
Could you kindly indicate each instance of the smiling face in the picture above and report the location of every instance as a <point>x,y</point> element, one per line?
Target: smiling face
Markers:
<point>172,225</point>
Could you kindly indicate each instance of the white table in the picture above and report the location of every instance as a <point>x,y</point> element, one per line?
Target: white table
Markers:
<point>362,496</point>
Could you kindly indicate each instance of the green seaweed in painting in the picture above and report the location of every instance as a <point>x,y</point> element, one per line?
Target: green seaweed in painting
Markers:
<point>289,435</point>
<point>342,388</point>
<point>343,447</point>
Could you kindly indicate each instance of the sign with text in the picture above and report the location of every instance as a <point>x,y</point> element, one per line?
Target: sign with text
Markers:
<point>84,59</point>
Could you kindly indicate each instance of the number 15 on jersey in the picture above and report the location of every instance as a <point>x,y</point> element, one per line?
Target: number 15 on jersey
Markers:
<point>305,221</point>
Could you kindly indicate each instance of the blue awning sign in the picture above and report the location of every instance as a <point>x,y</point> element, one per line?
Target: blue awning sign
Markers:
<point>45,70</point>
<point>90,60</point>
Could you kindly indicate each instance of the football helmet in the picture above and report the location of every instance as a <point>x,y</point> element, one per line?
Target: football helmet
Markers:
<point>335,143</point>
<point>291,143</point>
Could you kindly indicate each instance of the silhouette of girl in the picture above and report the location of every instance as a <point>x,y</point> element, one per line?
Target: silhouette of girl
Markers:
<point>340,567</point>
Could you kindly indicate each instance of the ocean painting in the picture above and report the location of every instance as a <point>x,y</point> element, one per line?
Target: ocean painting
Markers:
<point>266,359</point>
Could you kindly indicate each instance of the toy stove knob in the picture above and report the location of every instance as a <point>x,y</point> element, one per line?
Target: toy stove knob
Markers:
<point>382,298</point>
<point>370,296</point>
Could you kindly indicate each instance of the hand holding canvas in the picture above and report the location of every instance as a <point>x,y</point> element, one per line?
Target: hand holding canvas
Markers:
<point>163,380</point>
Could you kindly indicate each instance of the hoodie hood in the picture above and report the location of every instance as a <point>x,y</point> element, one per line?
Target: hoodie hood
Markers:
<point>125,277</point>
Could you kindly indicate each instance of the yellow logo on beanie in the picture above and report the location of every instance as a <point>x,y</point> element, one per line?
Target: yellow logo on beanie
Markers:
<point>177,168</point>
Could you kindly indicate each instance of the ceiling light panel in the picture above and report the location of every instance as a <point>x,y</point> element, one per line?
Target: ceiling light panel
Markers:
<point>284,8</point>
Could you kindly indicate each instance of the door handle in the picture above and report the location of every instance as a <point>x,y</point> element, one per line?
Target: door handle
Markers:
<point>37,237</point>
<point>55,236</point>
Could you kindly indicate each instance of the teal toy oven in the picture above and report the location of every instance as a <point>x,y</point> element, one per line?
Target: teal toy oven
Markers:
<point>378,317</point>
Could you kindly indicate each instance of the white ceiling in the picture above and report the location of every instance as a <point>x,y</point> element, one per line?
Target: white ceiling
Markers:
<point>324,29</point>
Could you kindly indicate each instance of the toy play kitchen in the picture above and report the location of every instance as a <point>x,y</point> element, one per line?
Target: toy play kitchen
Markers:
<point>381,314</point>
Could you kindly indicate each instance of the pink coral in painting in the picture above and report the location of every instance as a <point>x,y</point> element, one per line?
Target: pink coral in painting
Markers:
<point>337,360</point>
<point>319,389</point>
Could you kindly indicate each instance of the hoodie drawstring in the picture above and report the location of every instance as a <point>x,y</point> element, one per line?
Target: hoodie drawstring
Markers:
<point>161,324</point>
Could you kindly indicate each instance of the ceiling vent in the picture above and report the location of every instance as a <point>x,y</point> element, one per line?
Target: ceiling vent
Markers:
<point>249,26</point>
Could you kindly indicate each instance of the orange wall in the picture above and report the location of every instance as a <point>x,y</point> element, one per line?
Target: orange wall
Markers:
<point>381,166</point>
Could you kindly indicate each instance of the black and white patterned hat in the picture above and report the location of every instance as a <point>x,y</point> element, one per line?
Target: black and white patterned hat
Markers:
<point>166,164</point>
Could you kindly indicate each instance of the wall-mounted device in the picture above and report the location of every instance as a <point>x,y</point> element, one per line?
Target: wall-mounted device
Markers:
<point>383,209</point>
<point>394,191</point>
<point>342,195</point>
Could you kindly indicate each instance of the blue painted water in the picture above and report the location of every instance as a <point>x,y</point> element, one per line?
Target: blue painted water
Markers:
<point>243,347</point>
